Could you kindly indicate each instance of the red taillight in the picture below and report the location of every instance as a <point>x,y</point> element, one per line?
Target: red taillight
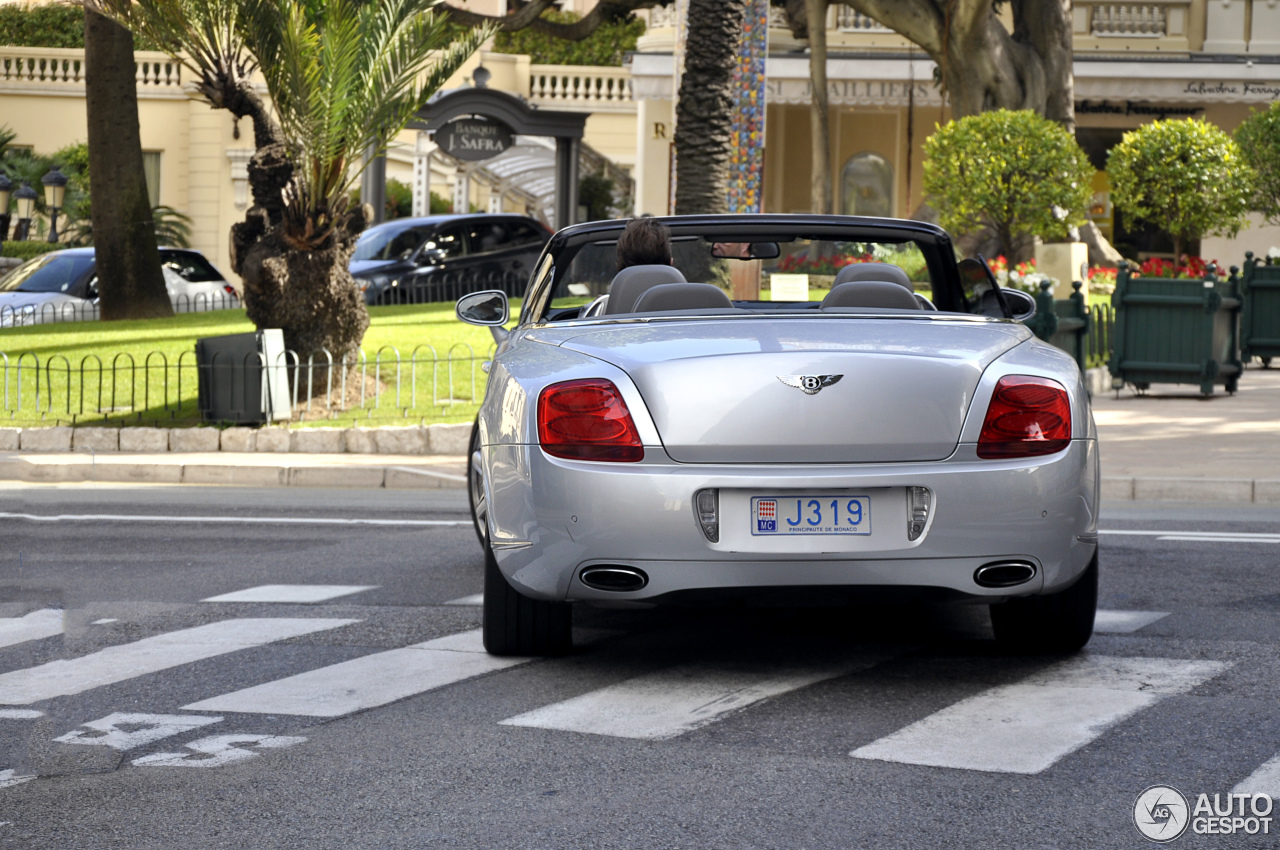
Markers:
<point>587,420</point>
<point>1027,416</point>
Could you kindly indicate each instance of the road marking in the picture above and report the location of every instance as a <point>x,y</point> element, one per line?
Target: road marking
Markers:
<point>1124,622</point>
<point>671,702</point>
<point>218,750</point>
<point>1264,780</point>
<point>1026,727</point>
<point>104,621</point>
<point>9,778</point>
<point>1225,536</point>
<point>126,731</point>
<point>301,593</point>
<point>249,520</point>
<point>366,682</point>
<point>1188,538</point>
<point>20,714</point>
<point>474,599</point>
<point>149,655</point>
<point>34,626</point>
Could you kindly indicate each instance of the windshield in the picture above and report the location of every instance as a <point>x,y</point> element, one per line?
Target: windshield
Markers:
<point>50,273</point>
<point>803,270</point>
<point>390,242</point>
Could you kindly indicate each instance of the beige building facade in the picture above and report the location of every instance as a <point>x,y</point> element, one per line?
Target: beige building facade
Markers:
<point>1135,62</point>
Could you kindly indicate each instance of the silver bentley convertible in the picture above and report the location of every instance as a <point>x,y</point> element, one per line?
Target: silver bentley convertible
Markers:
<point>650,437</point>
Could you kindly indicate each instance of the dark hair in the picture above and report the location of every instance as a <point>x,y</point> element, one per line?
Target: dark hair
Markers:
<point>646,241</point>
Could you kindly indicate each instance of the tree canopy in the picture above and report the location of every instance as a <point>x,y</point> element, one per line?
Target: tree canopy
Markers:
<point>1015,173</point>
<point>1185,176</point>
<point>1259,139</point>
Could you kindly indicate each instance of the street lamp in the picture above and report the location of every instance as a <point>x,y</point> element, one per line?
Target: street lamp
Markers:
<point>55,190</point>
<point>6,192</point>
<point>26,198</point>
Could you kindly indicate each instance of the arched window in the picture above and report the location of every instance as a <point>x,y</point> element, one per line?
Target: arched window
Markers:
<point>867,180</point>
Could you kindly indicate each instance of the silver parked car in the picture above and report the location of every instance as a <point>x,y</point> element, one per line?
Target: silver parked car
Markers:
<point>644,439</point>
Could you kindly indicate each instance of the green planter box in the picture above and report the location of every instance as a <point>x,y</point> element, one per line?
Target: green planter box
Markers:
<point>1170,331</point>
<point>1260,315</point>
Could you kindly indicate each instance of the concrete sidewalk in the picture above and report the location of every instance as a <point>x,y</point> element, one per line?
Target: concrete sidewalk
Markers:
<point>239,468</point>
<point>1168,445</point>
<point>1172,444</point>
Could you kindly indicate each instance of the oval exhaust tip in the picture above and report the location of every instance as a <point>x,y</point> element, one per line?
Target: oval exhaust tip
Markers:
<point>1004,574</point>
<point>614,578</point>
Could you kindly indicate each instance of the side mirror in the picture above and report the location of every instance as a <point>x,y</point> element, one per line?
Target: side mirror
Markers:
<point>1021,304</point>
<point>488,308</point>
<point>430,256</point>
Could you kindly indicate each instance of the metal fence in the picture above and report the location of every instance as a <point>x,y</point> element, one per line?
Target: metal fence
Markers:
<point>123,389</point>
<point>84,311</point>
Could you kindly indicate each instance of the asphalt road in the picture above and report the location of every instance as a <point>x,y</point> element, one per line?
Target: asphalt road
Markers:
<point>880,726</point>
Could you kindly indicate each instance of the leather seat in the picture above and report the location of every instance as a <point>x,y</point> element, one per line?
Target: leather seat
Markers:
<point>871,293</point>
<point>630,283</point>
<point>873,271</point>
<point>681,296</point>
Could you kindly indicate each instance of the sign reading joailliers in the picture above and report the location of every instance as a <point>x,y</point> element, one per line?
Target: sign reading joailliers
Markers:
<point>473,139</point>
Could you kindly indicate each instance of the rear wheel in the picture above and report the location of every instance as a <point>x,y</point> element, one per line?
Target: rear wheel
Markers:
<point>475,486</point>
<point>1059,622</point>
<point>517,625</point>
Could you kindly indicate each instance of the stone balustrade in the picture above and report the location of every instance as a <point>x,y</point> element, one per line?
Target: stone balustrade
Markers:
<point>583,88</point>
<point>49,70</point>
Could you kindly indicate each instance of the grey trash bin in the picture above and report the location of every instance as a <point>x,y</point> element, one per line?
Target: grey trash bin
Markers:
<point>243,378</point>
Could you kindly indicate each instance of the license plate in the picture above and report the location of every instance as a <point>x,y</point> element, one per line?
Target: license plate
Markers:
<point>787,515</point>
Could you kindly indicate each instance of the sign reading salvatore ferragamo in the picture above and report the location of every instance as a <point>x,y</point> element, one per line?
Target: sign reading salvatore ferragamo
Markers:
<point>474,138</point>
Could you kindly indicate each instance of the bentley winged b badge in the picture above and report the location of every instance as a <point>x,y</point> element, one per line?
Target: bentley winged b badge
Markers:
<point>810,384</point>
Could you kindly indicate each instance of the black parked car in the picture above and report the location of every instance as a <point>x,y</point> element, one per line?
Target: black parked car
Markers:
<point>443,257</point>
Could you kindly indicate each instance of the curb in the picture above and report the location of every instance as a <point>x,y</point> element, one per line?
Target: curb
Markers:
<point>346,476</point>
<point>438,439</point>
<point>1152,489</point>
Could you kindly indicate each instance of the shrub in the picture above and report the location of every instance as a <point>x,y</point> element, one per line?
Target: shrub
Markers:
<point>1016,174</point>
<point>1259,139</point>
<point>608,45</point>
<point>27,250</point>
<point>49,25</point>
<point>440,204</point>
<point>1186,176</point>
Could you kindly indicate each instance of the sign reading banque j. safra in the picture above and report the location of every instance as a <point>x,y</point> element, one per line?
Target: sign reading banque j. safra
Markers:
<point>473,139</point>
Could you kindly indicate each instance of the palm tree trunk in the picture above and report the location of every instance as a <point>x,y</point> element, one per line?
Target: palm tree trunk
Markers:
<point>704,115</point>
<point>819,107</point>
<point>130,283</point>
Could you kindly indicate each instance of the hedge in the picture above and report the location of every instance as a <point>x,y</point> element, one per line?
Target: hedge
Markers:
<point>608,45</point>
<point>27,250</point>
<point>52,25</point>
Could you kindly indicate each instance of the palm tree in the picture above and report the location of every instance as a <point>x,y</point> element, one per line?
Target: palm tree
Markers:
<point>344,78</point>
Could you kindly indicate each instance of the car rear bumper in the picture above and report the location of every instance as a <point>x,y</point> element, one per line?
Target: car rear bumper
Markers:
<point>550,519</point>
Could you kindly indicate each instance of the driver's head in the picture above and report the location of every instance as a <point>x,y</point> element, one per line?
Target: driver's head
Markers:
<point>645,242</point>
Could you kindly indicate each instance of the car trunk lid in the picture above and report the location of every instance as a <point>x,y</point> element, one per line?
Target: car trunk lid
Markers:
<point>804,390</point>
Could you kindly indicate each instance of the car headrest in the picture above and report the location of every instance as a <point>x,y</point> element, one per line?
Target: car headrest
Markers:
<point>629,283</point>
<point>873,271</point>
<point>681,296</point>
<point>870,293</point>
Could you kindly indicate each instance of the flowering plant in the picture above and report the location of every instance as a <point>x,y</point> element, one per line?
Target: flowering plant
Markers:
<point>1024,276</point>
<point>800,264</point>
<point>1192,267</point>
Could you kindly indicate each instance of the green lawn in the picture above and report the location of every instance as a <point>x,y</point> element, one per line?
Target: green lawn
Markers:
<point>154,380</point>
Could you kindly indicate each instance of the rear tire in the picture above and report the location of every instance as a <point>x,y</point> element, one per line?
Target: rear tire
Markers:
<point>517,625</point>
<point>475,487</point>
<point>1059,622</point>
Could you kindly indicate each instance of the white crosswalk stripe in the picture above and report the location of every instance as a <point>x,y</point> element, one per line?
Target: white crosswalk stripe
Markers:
<point>671,702</point>
<point>299,593</point>
<point>366,682</point>
<point>149,655</point>
<point>1124,622</point>
<point>34,626</point>
<point>1264,780</point>
<point>1026,727</point>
